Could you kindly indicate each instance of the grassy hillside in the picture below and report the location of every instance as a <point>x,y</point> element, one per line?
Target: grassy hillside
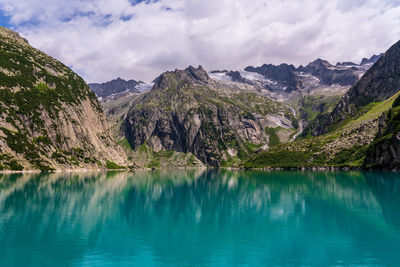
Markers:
<point>344,147</point>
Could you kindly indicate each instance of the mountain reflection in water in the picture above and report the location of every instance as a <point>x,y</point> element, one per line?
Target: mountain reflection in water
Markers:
<point>200,217</point>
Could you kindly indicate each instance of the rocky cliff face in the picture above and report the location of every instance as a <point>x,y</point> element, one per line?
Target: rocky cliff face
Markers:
<point>187,111</point>
<point>283,74</point>
<point>384,152</point>
<point>114,88</point>
<point>343,74</point>
<point>379,83</point>
<point>49,117</point>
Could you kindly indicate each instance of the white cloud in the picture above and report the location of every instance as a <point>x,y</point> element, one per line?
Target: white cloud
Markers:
<point>99,41</point>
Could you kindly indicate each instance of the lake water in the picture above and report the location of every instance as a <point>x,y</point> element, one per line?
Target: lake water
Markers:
<point>200,217</point>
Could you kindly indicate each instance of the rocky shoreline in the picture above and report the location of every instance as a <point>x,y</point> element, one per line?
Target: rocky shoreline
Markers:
<point>317,169</point>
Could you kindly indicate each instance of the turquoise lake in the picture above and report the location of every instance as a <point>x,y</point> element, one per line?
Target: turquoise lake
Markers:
<point>200,217</point>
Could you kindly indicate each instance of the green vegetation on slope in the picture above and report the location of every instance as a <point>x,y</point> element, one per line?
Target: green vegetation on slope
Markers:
<point>346,146</point>
<point>273,137</point>
<point>313,105</point>
<point>38,94</point>
<point>145,157</point>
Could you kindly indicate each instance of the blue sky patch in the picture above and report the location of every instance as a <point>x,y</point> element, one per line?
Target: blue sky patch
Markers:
<point>135,2</point>
<point>4,20</point>
<point>126,17</point>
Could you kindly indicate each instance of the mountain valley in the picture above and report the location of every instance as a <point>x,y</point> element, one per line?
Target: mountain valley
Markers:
<point>270,116</point>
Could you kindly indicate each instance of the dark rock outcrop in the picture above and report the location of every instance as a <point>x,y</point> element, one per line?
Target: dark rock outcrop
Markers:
<point>384,152</point>
<point>117,86</point>
<point>329,75</point>
<point>283,74</point>
<point>371,60</point>
<point>347,63</point>
<point>236,77</point>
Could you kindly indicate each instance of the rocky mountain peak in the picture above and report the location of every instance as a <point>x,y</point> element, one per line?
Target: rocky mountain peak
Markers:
<point>282,73</point>
<point>199,74</point>
<point>190,75</point>
<point>371,60</point>
<point>380,81</point>
<point>317,64</point>
<point>10,34</point>
<point>114,87</point>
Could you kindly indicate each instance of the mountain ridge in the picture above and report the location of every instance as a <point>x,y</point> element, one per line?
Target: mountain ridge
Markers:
<point>115,88</point>
<point>50,119</point>
<point>362,131</point>
<point>378,83</point>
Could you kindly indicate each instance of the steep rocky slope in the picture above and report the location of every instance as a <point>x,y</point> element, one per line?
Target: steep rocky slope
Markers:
<point>142,157</point>
<point>187,111</point>
<point>379,83</point>
<point>49,118</point>
<point>384,152</point>
<point>346,146</point>
<point>362,130</point>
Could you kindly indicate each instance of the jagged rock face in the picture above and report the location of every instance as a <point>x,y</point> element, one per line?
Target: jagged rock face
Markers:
<point>49,118</point>
<point>371,60</point>
<point>347,63</point>
<point>114,87</point>
<point>234,76</point>
<point>379,83</point>
<point>284,74</point>
<point>384,152</point>
<point>288,82</point>
<point>186,111</point>
<point>329,74</point>
<point>237,77</point>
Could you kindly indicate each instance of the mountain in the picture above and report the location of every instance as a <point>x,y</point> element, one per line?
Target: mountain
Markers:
<point>285,82</point>
<point>234,76</point>
<point>342,74</point>
<point>283,74</point>
<point>311,90</point>
<point>187,111</point>
<point>50,119</point>
<point>361,131</point>
<point>222,117</point>
<point>371,60</point>
<point>114,88</point>
<point>379,83</point>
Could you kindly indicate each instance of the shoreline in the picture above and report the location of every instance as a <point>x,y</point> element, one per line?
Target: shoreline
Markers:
<point>100,170</point>
<point>315,168</point>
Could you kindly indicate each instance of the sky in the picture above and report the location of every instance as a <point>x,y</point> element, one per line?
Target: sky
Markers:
<point>105,39</point>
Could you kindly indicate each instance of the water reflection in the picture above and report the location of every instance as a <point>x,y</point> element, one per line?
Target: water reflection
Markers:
<point>200,217</point>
